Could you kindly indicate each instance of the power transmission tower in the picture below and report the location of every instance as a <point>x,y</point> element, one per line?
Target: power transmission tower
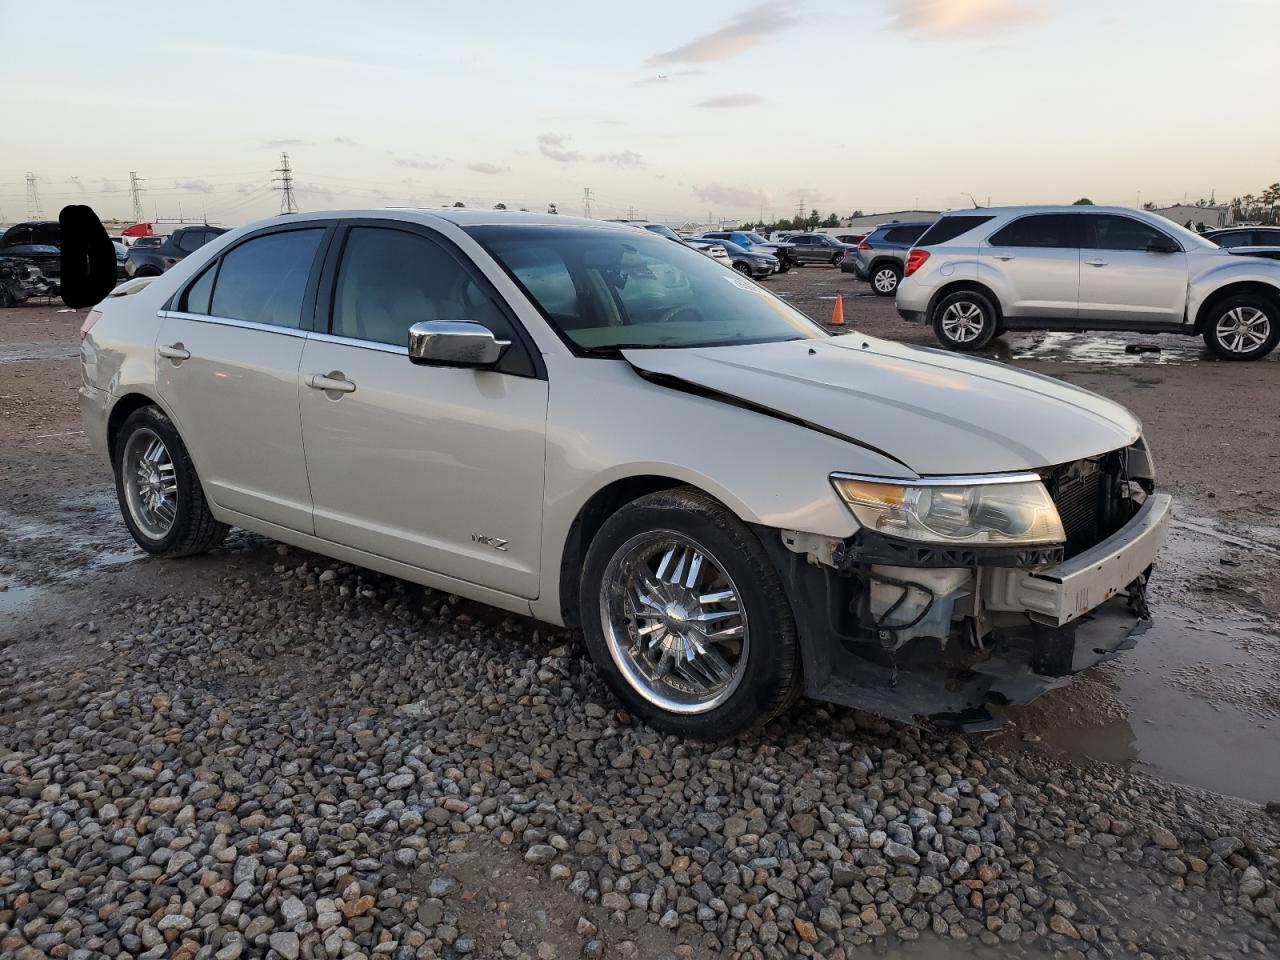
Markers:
<point>287,203</point>
<point>33,197</point>
<point>586,202</point>
<point>135,188</point>
<point>631,212</point>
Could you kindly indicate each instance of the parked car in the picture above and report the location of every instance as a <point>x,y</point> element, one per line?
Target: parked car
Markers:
<point>600,429</point>
<point>661,229</point>
<point>882,255</point>
<point>19,281</point>
<point>44,232</point>
<point>122,254</point>
<point>45,257</point>
<point>853,239</point>
<point>755,265</point>
<point>753,242</point>
<point>712,248</point>
<point>1271,253</point>
<point>817,248</point>
<point>977,273</point>
<point>1232,237</point>
<point>151,261</point>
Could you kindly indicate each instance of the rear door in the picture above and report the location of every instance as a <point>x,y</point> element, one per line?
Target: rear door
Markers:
<point>1033,265</point>
<point>1122,281</point>
<point>227,372</point>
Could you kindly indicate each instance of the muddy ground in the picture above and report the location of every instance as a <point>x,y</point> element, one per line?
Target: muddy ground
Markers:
<point>1196,703</point>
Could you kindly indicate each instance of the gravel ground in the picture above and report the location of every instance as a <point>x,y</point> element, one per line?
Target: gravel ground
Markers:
<point>265,753</point>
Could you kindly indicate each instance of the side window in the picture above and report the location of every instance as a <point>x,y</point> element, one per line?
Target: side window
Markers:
<point>200,293</point>
<point>1240,238</point>
<point>189,240</point>
<point>803,241</point>
<point>948,228</point>
<point>1041,230</point>
<point>264,280</point>
<point>391,279</point>
<point>1111,232</point>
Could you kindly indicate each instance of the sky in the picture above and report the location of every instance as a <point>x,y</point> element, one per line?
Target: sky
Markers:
<point>668,110</point>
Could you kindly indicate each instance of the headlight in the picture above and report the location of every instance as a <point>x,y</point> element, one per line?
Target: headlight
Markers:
<point>1016,510</point>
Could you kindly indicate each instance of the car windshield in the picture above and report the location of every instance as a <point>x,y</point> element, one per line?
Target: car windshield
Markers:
<point>756,238</point>
<point>662,230</point>
<point>1187,236</point>
<point>603,290</point>
<point>730,246</point>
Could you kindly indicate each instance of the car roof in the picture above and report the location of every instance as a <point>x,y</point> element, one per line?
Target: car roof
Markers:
<point>1041,208</point>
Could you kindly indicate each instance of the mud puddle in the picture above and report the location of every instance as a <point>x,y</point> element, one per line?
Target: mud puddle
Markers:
<point>1197,701</point>
<point>24,352</point>
<point>1106,350</point>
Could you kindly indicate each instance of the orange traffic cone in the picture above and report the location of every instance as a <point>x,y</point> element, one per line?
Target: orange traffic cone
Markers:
<point>837,312</point>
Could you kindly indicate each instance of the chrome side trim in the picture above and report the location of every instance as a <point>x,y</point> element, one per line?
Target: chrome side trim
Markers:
<point>953,481</point>
<point>362,344</point>
<point>229,322</point>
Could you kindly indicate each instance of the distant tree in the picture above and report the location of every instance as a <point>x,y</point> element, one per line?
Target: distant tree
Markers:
<point>1148,205</point>
<point>499,206</point>
<point>551,208</point>
<point>1083,202</point>
<point>458,203</point>
<point>831,221</point>
<point>856,214</point>
<point>524,209</point>
<point>814,219</point>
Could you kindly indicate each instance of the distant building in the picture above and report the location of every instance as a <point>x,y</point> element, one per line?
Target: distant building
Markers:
<point>875,219</point>
<point>1211,216</point>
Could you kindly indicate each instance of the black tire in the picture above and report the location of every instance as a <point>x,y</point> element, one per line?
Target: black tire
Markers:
<point>884,279</point>
<point>784,266</point>
<point>835,259</point>
<point>193,529</point>
<point>978,309</point>
<point>770,679</point>
<point>743,268</point>
<point>6,296</point>
<point>1242,307</point>
<point>146,272</point>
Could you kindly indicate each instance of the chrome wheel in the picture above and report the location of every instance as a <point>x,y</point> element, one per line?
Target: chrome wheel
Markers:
<point>674,623</point>
<point>150,483</point>
<point>962,321</point>
<point>1243,329</point>
<point>885,280</point>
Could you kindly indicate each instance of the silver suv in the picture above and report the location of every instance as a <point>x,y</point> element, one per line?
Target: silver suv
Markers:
<point>977,273</point>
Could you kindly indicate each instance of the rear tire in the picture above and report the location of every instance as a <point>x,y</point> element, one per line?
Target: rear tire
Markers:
<point>884,280</point>
<point>965,320</point>
<point>160,495</point>
<point>1243,327</point>
<point>743,269</point>
<point>629,583</point>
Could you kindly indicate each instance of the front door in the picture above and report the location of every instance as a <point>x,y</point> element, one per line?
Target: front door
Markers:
<point>436,467</point>
<point>1124,282</point>
<point>1033,265</point>
<point>227,372</point>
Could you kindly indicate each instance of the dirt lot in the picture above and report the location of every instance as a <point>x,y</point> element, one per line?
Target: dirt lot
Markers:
<point>264,751</point>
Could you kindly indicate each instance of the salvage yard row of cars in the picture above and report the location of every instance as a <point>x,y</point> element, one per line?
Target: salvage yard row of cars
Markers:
<point>930,534</point>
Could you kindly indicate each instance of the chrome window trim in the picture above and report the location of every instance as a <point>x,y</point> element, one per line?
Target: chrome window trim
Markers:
<point>362,344</point>
<point>968,480</point>
<point>231,322</point>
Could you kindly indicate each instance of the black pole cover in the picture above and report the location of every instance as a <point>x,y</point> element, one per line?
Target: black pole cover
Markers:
<point>88,257</point>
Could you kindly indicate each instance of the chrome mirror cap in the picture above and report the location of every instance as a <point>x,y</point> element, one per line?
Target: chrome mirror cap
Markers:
<point>454,343</point>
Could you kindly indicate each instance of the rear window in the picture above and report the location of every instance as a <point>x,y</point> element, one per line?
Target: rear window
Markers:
<point>1040,230</point>
<point>948,228</point>
<point>904,234</point>
<point>263,280</point>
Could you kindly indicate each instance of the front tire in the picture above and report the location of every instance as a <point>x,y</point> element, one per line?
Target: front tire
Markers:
<point>686,619</point>
<point>1244,327</point>
<point>885,279</point>
<point>744,269</point>
<point>160,494</point>
<point>965,320</point>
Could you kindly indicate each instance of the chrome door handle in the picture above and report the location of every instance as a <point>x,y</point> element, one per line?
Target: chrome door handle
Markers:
<point>174,352</point>
<point>1096,263</point>
<point>330,381</point>
<point>1003,258</point>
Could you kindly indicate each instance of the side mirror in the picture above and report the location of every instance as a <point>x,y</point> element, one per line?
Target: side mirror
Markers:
<point>1163,245</point>
<point>454,343</point>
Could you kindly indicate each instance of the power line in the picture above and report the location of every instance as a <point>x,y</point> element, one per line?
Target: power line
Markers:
<point>287,203</point>
<point>586,202</point>
<point>135,188</point>
<point>33,198</point>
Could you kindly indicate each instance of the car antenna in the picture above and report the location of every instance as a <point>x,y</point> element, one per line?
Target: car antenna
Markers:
<point>976,204</point>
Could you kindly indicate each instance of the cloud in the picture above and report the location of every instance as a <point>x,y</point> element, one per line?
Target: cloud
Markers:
<point>668,77</point>
<point>732,100</point>
<point>743,32</point>
<point>281,144</point>
<point>732,195</point>
<point>934,19</point>
<point>490,168</point>
<point>552,145</point>
<point>194,186</point>
<point>76,182</point>
<point>315,190</point>
<point>345,141</point>
<point>626,158</point>
<point>416,164</point>
<point>108,186</point>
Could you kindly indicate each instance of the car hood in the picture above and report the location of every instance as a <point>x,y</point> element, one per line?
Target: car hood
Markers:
<point>935,412</point>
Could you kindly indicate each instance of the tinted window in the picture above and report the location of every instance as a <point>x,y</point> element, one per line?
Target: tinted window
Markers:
<point>264,279</point>
<point>802,241</point>
<point>189,240</point>
<point>948,228</point>
<point>1241,238</point>
<point>390,279</point>
<point>907,235</point>
<point>639,291</point>
<point>199,293</point>
<point>1041,230</point>
<point>1111,232</point>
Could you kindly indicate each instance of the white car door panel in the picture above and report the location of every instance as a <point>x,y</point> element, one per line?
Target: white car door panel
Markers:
<point>437,467</point>
<point>1122,281</point>
<point>1033,265</point>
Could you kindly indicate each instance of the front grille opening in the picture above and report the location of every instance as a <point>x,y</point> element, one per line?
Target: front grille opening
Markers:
<point>1093,499</point>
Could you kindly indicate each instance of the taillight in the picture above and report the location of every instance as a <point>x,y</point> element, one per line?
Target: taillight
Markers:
<point>93,317</point>
<point>915,260</point>
<point>864,245</point>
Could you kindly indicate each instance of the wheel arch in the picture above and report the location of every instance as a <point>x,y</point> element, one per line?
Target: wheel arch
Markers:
<point>886,261</point>
<point>122,408</point>
<point>1234,289</point>
<point>956,286</point>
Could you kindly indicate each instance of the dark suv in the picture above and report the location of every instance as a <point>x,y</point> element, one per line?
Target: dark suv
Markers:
<point>882,255</point>
<point>752,242</point>
<point>153,261</point>
<point>818,248</point>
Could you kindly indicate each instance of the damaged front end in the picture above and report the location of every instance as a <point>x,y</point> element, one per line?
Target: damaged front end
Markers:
<point>941,631</point>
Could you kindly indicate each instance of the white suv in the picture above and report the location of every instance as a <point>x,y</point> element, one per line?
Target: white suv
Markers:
<point>977,273</point>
